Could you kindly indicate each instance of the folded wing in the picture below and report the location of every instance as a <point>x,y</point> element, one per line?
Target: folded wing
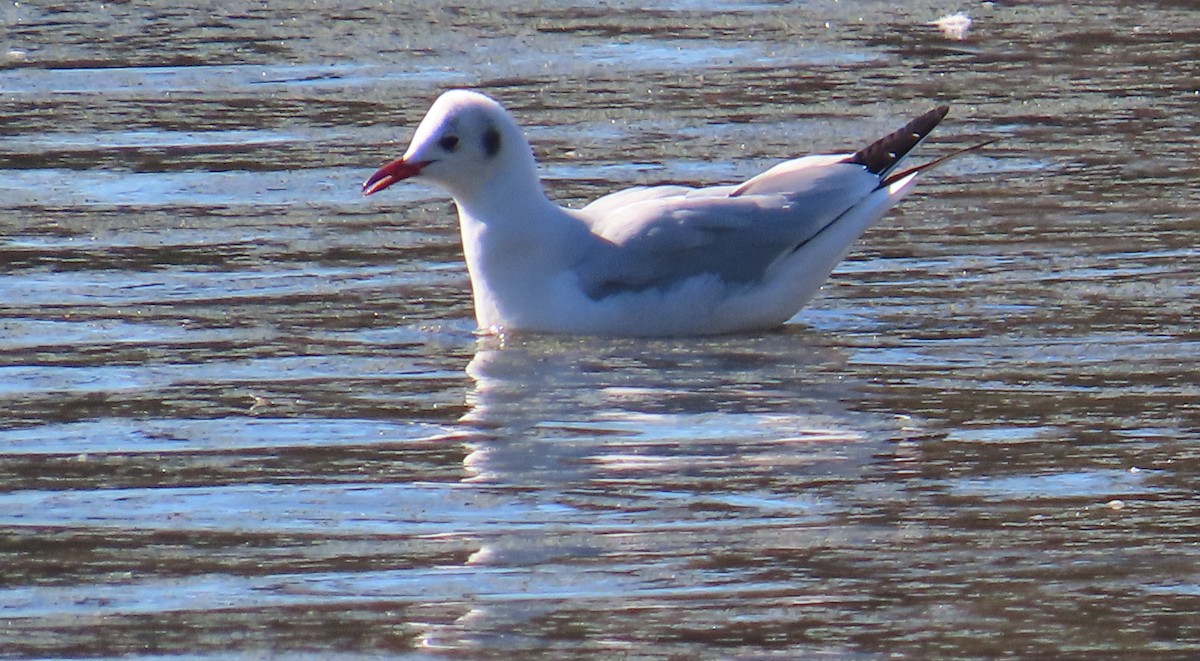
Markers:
<point>656,237</point>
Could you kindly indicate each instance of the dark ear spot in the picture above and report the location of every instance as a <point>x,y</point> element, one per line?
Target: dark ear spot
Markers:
<point>491,141</point>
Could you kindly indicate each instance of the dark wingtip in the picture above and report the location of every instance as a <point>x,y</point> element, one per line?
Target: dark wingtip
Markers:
<point>892,178</point>
<point>883,154</point>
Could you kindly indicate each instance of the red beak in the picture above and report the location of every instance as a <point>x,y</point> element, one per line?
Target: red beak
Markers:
<point>397,170</point>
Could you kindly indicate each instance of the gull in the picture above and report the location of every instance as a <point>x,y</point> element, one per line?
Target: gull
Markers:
<point>665,260</point>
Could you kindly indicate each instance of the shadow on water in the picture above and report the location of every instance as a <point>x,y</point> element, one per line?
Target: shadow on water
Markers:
<point>245,413</point>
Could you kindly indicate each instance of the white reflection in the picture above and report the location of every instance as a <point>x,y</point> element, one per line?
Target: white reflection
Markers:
<point>619,449</point>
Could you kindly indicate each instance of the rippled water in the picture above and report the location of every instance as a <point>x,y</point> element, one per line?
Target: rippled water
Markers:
<point>245,413</point>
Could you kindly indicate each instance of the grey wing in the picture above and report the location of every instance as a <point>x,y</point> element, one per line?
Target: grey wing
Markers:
<point>665,235</point>
<point>602,206</point>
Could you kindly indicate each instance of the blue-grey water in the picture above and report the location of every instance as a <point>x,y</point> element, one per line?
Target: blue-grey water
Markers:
<point>243,412</point>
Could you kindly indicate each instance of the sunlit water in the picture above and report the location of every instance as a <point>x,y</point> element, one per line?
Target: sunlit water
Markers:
<point>244,412</point>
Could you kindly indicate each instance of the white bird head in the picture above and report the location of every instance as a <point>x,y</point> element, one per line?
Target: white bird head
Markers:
<point>467,144</point>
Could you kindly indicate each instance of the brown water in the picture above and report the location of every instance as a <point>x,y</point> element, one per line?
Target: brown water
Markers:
<point>244,413</point>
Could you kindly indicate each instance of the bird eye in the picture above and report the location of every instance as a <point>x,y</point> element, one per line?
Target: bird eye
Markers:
<point>448,142</point>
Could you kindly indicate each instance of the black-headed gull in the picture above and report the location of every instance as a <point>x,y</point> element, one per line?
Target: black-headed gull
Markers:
<point>662,260</point>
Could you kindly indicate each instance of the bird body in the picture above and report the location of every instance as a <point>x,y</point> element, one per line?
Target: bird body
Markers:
<point>663,260</point>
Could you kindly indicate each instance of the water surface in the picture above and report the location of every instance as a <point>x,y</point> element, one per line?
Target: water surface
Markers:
<point>245,413</point>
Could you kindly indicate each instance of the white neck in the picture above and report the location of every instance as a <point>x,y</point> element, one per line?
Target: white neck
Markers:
<point>515,241</point>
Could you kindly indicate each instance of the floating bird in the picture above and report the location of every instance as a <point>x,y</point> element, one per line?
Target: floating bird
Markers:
<point>646,261</point>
